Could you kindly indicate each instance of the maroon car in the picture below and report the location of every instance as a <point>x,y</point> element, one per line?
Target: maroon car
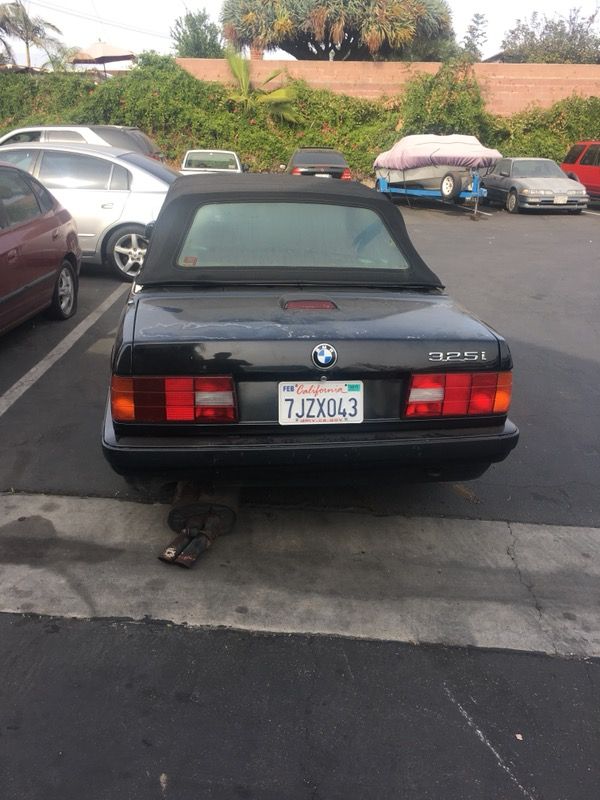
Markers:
<point>39,252</point>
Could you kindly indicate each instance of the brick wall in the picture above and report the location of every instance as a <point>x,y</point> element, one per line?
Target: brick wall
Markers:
<point>508,88</point>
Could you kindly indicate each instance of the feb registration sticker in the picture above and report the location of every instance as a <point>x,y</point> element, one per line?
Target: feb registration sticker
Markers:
<point>321,403</point>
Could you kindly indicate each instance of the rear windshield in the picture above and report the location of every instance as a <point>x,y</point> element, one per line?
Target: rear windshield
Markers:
<point>205,159</point>
<point>308,157</point>
<point>160,171</point>
<point>126,138</point>
<point>288,235</point>
<point>117,137</point>
<point>535,168</point>
<point>144,142</point>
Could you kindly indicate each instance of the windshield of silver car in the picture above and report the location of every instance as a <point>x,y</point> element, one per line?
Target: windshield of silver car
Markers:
<point>537,168</point>
<point>289,235</point>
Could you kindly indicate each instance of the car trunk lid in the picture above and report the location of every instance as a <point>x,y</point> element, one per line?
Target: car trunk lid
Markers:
<point>265,337</point>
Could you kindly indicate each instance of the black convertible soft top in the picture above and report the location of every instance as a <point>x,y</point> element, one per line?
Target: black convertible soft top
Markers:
<point>188,193</point>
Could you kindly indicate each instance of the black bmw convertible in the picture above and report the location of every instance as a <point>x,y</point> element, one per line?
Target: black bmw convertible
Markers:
<point>285,329</point>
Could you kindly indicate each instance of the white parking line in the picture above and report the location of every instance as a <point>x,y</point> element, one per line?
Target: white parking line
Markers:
<point>592,213</point>
<point>35,373</point>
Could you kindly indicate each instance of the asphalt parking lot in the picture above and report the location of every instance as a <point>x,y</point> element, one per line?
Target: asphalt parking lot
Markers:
<point>423,641</point>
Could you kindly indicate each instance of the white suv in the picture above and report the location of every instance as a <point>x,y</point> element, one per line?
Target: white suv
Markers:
<point>107,135</point>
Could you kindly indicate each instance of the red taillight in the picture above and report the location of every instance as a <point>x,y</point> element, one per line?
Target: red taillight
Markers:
<point>173,399</point>
<point>464,394</point>
<point>346,175</point>
<point>296,171</point>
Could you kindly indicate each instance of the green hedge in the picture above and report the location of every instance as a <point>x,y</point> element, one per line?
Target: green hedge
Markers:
<point>181,112</point>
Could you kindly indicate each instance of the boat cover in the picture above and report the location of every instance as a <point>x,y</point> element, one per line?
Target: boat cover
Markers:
<point>413,152</point>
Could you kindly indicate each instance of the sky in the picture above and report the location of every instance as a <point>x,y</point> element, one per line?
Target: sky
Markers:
<point>145,25</point>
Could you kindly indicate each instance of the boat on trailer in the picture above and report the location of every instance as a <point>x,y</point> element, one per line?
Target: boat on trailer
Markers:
<point>423,162</point>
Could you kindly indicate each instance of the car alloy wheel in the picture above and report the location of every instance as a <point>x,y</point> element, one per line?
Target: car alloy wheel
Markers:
<point>127,250</point>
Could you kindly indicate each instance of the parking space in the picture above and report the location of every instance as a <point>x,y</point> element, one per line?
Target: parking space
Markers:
<point>533,277</point>
<point>393,565</point>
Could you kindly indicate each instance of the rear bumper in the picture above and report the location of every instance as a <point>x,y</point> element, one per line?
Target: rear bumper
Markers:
<point>426,455</point>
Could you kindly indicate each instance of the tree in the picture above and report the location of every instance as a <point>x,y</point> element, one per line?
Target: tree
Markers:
<point>32,31</point>
<point>434,36</point>
<point>59,57</point>
<point>559,40</point>
<point>334,29</point>
<point>6,54</point>
<point>277,102</point>
<point>475,37</point>
<point>195,36</point>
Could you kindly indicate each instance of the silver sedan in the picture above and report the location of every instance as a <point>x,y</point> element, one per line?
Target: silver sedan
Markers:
<point>519,183</point>
<point>111,193</point>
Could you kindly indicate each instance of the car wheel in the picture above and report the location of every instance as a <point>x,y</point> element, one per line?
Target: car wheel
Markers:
<point>126,250</point>
<point>512,202</point>
<point>64,297</point>
<point>451,187</point>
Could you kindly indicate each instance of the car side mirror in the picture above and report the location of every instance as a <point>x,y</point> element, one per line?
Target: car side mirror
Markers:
<point>149,230</point>
<point>245,168</point>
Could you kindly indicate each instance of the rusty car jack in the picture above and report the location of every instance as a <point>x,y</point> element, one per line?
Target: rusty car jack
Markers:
<point>199,516</point>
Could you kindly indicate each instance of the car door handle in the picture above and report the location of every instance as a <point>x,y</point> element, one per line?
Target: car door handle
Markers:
<point>12,255</point>
<point>107,205</point>
<point>55,234</point>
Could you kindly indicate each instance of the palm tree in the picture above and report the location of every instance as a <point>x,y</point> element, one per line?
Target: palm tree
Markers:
<point>32,31</point>
<point>60,57</point>
<point>6,53</point>
<point>332,29</point>
<point>278,102</point>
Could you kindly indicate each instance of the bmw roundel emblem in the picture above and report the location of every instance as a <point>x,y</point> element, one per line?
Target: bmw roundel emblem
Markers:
<point>324,356</point>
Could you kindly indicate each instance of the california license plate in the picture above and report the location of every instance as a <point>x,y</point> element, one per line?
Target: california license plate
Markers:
<point>321,403</point>
<point>560,199</point>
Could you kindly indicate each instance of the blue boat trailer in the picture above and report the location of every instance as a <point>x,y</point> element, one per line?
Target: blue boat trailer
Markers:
<point>477,193</point>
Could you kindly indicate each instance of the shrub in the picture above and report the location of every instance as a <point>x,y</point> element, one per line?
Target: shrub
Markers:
<point>448,102</point>
<point>550,132</point>
<point>181,112</point>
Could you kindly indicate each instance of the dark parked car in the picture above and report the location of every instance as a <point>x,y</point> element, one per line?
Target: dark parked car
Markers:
<point>256,344</point>
<point>319,162</point>
<point>582,163</point>
<point>126,138</point>
<point>39,253</point>
<point>535,183</point>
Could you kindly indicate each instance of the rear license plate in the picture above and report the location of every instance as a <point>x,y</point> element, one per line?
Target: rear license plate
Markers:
<point>321,403</point>
<point>560,199</point>
<point>322,175</point>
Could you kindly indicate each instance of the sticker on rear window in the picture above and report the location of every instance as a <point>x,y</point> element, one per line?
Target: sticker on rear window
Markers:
<point>189,261</point>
